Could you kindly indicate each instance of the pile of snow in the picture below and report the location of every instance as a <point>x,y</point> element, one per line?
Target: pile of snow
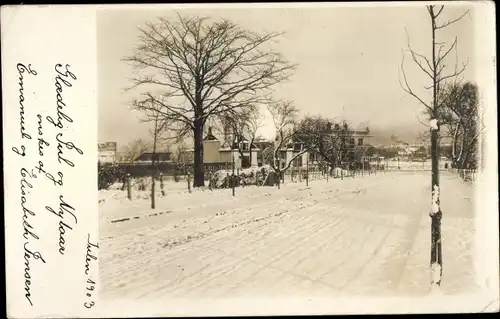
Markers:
<point>261,176</point>
<point>338,172</point>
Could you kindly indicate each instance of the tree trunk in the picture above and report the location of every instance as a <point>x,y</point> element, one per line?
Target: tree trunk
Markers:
<point>436,214</point>
<point>155,135</point>
<point>250,152</point>
<point>199,169</point>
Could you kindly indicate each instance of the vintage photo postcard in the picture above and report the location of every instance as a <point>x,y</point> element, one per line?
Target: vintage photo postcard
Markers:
<point>250,159</point>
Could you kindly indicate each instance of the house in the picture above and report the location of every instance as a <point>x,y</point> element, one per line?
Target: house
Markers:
<point>355,139</point>
<point>261,143</point>
<point>241,151</point>
<point>215,151</point>
<point>160,157</point>
<point>107,152</point>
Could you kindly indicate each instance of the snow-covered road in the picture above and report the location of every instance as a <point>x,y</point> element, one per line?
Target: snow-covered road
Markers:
<point>364,235</point>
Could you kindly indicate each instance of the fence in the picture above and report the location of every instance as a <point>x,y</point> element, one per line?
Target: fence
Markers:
<point>394,165</point>
<point>467,175</point>
<point>111,173</point>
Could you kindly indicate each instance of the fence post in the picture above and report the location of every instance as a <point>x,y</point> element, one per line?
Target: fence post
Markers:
<point>188,177</point>
<point>307,170</point>
<point>232,177</point>
<point>129,189</point>
<point>341,174</point>
<point>162,186</point>
<point>153,182</point>
<point>210,180</point>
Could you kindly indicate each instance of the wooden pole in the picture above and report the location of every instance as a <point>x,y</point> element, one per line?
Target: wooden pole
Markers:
<point>129,188</point>
<point>363,167</point>
<point>232,178</point>
<point>307,170</point>
<point>162,186</point>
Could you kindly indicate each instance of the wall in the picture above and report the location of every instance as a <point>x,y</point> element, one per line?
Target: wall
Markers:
<point>211,151</point>
<point>107,156</point>
<point>225,156</point>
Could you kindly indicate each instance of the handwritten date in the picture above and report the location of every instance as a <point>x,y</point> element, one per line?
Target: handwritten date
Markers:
<point>90,257</point>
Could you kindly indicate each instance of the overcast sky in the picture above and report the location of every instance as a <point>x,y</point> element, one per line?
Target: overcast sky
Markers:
<point>349,60</point>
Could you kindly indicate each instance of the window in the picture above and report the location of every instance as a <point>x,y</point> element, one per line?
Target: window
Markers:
<point>360,141</point>
<point>351,141</point>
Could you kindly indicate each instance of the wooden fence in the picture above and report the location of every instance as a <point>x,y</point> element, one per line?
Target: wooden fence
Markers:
<point>468,175</point>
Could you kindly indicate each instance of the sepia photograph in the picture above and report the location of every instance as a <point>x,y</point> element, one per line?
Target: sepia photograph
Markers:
<point>253,159</point>
<point>288,151</point>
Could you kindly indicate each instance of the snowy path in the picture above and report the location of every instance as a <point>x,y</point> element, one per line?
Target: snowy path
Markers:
<point>356,236</point>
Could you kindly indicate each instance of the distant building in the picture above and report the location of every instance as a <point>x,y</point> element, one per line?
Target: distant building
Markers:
<point>160,157</point>
<point>239,149</point>
<point>215,151</point>
<point>261,144</point>
<point>355,139</point>
<point>107,152</point>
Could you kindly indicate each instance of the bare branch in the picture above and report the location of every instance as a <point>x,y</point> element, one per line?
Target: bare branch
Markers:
<point>448,23</point>
<point>407,87</point>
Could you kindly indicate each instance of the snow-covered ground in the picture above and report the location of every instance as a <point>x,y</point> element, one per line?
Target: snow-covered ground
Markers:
<point>366,235</point>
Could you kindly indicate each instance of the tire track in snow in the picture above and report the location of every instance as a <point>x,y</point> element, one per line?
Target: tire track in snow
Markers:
<point>328,193</point>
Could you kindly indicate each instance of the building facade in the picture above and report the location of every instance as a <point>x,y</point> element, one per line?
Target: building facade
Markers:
<point>107,152</point>
<point>355,140</point>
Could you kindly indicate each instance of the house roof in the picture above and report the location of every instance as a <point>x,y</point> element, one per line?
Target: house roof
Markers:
<point>158,153</point>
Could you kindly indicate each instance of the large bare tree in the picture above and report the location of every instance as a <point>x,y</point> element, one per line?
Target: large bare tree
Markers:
<point>197,68</point>
<point>436,69</point>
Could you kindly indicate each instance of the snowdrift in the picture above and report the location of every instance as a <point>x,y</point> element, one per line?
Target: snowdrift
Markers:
<point>260,176</point>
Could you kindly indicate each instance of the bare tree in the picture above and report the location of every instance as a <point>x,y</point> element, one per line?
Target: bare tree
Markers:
<point>460,114</point>
<point>331,141</point>
<point>245,129</point>
<point>152,114</point>
<point>182,156</point>
<point>435,68</point>
<point>134,149</point>
<point>204,69</point>
<point>284,115</point>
